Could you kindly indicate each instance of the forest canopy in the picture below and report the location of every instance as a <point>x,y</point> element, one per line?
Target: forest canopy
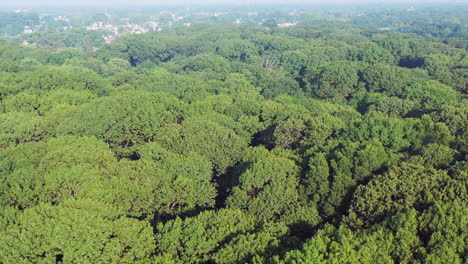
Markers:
<point>330,141</point>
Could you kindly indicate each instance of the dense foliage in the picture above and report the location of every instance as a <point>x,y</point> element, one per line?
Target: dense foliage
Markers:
<point>336,143</point>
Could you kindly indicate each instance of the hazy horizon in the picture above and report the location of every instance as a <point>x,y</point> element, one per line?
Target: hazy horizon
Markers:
<point>38,3</point>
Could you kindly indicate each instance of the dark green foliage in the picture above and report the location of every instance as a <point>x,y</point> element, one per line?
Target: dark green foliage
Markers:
<point>221,145</point>
<point>394,106</point>
<point>77,231</point>
<point>267,187</point>
<point>237,49</point>
<point>140,49</point>
<point>444,228</point>
<point>51,78</point>
<point>124,120</point>
<point>276,85</point>
<point>403,187</point>
<point>331,178</point>
<point>20,127</point>
<point>50,171</point>
<point>336,81</point>
<point>331,245</point>
<point>372,53</point>
<point>389,79</point>
<point>434,236</point>
<point>394,133</point>
<point>205,62</point>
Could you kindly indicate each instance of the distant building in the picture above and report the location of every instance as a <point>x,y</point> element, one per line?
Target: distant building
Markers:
<point>202,14</point>
<point>102,26</point>
<point>285,25</point>
<point>153,25</point>
<point>109,38</point>
<point>27,30</point>
<point>135,29</point>
<point>61,18</point>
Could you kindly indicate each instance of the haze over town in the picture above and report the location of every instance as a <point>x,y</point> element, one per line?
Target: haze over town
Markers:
<point>213,2</point>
